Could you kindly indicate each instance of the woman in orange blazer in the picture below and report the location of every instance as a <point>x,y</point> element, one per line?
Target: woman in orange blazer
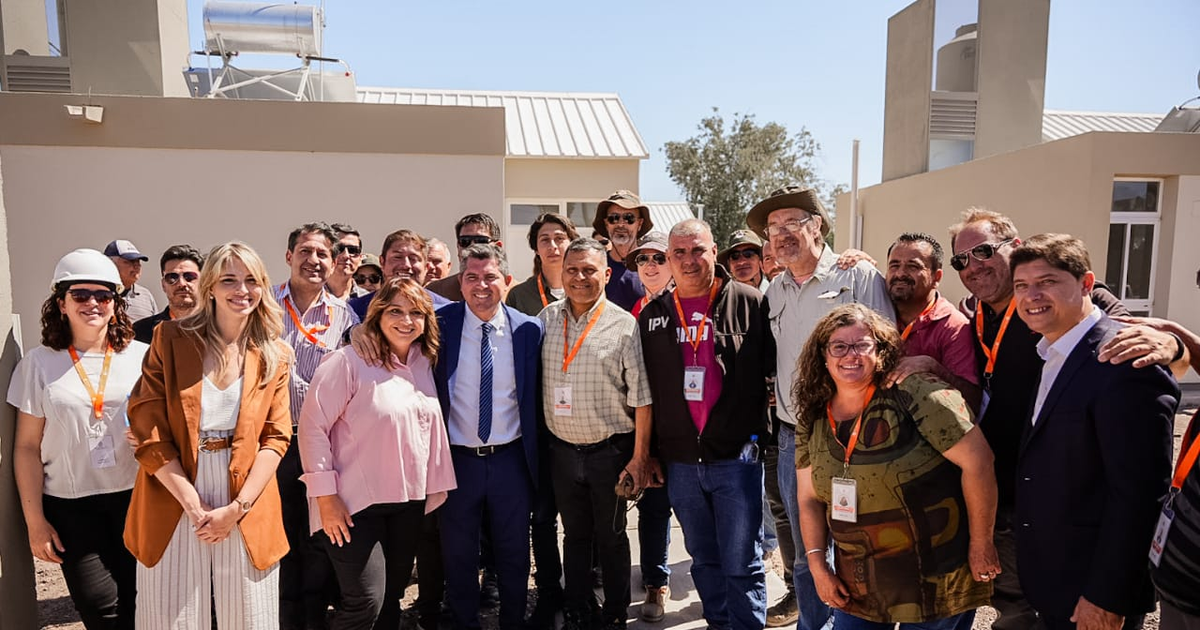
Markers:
<point>211,422</point>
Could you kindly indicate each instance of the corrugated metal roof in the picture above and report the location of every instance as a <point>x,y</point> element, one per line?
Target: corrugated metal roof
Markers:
<point>1057,124</point>
<point>666,214</point>
<point>539,124</point>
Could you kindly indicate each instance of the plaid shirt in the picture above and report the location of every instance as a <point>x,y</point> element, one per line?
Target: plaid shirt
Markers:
<point>607,377</point>
<point>327,311</point>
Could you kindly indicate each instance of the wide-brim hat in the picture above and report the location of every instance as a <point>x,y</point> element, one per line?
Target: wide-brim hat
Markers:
<point>627,200</point>
<point>370,260</point>
<point>737,239</point>
<point>652,241</point>
<point>804,198</point>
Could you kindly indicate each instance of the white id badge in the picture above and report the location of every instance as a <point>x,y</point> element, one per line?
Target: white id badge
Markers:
<point>1159,542</point>
<point>104,455</point>
<point>693,384</point>
<point>562,401</point>
<point>845,500</point>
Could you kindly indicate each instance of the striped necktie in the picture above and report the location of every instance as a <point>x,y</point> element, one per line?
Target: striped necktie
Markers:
<point>485,384</point>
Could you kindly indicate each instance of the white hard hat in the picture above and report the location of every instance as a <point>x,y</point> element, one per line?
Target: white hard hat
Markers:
<point>87,265</point>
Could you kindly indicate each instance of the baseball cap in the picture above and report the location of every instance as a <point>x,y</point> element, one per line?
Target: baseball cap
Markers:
<point>125,250</point>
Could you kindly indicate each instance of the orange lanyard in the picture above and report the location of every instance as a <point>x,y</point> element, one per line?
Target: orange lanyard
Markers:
<point>97,395</point>
<point>994,351</point>
<point>542,292</point>
<point>909,328</point>
<point>1185,463</point>
<point>849,446</point>
<point>568,358</point>
<point>309,332</point>
<point>703,320</point>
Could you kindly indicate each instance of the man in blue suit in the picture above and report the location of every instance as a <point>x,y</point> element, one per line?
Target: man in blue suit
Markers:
<point>1095,455</point>
<point>487,381</point>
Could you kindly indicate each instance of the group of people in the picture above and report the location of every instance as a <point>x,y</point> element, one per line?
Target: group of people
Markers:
<point>254,454</point>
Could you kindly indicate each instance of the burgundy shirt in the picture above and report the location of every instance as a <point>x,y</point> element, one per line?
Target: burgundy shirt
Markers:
<point>945,334</point>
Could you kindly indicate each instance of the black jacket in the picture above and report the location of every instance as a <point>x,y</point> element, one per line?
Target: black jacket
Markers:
<point>745,353</point>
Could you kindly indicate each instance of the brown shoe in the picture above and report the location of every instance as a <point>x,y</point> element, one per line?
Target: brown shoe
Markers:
<point>785,612</point>
<point>654,608</point>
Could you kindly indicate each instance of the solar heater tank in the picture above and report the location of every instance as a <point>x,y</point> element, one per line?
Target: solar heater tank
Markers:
<point>259,27</point>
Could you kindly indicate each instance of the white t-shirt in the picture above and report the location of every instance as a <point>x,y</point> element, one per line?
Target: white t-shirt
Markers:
<point>81,455</point>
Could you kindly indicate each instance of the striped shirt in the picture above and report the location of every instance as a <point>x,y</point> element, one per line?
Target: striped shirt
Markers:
<point>607,377</point>
<point>324,324</point>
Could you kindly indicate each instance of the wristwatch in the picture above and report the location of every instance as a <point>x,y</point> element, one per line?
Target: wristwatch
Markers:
<point>244,505</point>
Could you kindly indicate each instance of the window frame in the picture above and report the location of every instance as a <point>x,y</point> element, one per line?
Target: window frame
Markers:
<point>1126,220</point>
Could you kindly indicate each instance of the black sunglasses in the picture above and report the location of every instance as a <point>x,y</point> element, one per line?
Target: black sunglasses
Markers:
<point>477,239</point>
<point>371,279</point>
<point>353,250</point>
<point>83,296</point>
<point>980,252</point>
<point>739,254</point>
<point>173,278</point>
<point>616,217</point>
<point>642,259</point>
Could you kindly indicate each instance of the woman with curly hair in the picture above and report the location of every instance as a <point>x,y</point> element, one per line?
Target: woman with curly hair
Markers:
<point>73,467</point>
<point>898,476</point>
<point>211,422</point>
<point>376,454</point>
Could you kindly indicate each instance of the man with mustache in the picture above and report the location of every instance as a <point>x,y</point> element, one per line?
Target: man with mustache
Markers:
<point>622,219</point>
<point>180,266</point>
<point>139,302</point>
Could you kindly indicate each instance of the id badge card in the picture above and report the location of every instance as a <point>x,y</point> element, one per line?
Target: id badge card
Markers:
<point>1159,542</point>
<point>104,453</point>
<point>693,384</point>
<point>562,401</point>
<point>844,506</point>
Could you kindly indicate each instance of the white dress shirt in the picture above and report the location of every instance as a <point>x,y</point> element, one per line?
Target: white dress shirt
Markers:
<point>1055,355</point>
<point>464,384</point>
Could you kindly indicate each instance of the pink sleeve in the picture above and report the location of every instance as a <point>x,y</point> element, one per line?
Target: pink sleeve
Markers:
<point>324,405</point>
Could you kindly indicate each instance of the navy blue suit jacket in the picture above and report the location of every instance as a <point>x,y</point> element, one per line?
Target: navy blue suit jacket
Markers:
<point>359,304</point>
<point>1091,474</point>
<point>527,361</point>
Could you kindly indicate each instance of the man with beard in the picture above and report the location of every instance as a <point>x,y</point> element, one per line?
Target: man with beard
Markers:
<point>743,259</point>
<point>180,267</point>
<point>794,220</point>
<point>622,219</point>
<point>937,337</point>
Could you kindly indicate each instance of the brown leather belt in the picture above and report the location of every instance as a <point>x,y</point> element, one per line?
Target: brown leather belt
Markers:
<point>213,444</point>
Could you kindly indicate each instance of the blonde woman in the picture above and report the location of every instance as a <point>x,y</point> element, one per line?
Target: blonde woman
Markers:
<point>211,421</point>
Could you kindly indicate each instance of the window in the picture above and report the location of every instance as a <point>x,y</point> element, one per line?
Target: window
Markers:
<point>580,212</point>
<point>527,213</point>
<point>1133,242</point>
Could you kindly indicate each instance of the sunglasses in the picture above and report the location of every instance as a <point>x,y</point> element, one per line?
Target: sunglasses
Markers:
<point>739,254</point>
<point>173,278</point>
<point>616,217</point>
<point>658,259</point>
<point>353,250</point>
<point>83,296</point>
<point>478,239</point>
<point>980,252</point>
<point>371,279</point>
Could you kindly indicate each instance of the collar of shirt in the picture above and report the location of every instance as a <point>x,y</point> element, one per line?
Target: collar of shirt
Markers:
<point>942,308</point>
<point>1066,343</point>
<point>285,291</point>
<point>825,265</point>
<point>565,310</point>
<point>499,321</point>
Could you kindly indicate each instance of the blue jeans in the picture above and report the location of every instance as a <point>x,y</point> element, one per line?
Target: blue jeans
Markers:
<point>654,536</point>
<point>813,613</point>
<point>726,549</point>
<point>845,621</point>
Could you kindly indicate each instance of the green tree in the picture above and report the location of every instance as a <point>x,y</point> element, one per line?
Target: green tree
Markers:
<point>731,165</point>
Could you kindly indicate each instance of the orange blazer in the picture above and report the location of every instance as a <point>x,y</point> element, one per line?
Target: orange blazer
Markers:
<point>164,414</point>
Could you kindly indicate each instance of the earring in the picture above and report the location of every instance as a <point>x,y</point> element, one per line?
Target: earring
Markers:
<point>112,321</point>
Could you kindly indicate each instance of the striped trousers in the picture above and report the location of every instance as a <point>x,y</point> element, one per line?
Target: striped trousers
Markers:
<point>195,580</point>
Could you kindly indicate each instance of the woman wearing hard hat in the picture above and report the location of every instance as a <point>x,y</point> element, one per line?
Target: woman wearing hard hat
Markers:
<point>73,467</point>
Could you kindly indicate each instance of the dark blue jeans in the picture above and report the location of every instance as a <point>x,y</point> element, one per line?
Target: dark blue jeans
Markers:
<point>654,536</point>
<point>813,613</point>
<point>844,621</point>
<point>726,547</point>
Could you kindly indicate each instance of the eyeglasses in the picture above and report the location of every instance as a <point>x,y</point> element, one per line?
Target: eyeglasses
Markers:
<point>658,259</point>
<point>353,250</point>
<point>614,218</point>
<point>980,252</point>
<point>83,296</point>
<point>371,279</point>
<point>793,226</point>
<point>739,254</point>
<point>476,239</point>
<point>838,349</point>
<point>173,278</point>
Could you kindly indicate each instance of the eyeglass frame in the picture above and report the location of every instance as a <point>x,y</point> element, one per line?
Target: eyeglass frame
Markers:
<point>642,259</point>
<point>629,218</point>
<point>748,252</point>
<point>468,240</point>
<point>172,278</point>
<point>856,347</point>
<point>342,248</point>
<point>792,225</point>
<point>977,253</point>
<point>83,296</point>
<point>374,278</point>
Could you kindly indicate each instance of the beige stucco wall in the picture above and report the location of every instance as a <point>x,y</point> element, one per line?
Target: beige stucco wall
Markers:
<point>1012,74</point>
<point>1063,186</point>
<point>23,27</point>
<point>1180,283</point>
<point>130,47</point>
<point>906,91</point>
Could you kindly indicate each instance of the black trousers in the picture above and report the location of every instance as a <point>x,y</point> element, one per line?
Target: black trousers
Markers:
<point>584,478</point>
<point>100,573</point>
<point>374,567</point>
<point>306,580</point>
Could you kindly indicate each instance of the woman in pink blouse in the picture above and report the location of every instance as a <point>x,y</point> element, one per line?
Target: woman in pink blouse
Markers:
<point>375,454</point>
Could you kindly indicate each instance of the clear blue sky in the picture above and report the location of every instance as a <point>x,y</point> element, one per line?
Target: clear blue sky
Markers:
<point>806,63</point>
